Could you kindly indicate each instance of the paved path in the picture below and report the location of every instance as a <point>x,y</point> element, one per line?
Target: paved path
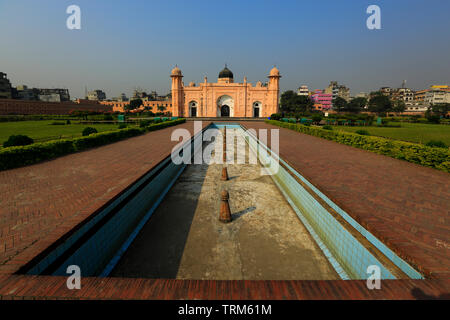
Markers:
<point>40,203</point>
<point>265,241</point>
<point>405,205</point>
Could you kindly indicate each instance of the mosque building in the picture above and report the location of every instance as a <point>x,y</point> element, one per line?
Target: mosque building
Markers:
<point>225,98</point>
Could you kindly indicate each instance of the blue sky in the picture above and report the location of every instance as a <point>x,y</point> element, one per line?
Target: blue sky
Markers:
<point>128,44</point>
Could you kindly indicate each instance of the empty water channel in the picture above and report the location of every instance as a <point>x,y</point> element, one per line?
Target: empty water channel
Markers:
<point>166,225</point>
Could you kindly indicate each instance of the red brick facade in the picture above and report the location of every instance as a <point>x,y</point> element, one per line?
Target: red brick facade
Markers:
<point>20,107</point>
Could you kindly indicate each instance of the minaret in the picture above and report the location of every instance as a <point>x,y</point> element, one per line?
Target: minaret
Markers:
<point>274,92</point>
<point>177,92</point>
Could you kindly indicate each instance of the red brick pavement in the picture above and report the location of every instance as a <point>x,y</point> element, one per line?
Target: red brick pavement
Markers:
<point>46,287</point>
<point>40,203</point>
<point>405,205</point>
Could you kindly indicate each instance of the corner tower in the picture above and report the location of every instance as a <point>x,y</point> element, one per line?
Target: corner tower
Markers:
<point>273,91</point>
<point>177,92</point>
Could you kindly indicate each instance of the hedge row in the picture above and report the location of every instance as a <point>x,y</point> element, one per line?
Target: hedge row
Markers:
<point>437,158</point>
<point>14,157</point>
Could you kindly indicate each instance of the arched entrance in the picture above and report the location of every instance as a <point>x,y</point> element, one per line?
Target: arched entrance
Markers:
<point>257,109</point>
<point>225,106</point>
<point>225,111</point>
<point>192,109</point>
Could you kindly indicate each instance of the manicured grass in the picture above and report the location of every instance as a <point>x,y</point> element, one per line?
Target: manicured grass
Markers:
<point>412,132</point>
<point>44,130</point>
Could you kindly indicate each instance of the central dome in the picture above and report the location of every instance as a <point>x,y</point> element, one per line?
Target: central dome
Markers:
<point>225,73</point>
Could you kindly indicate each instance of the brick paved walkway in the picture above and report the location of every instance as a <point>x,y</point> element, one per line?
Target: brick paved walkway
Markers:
<point>51,287</point>
<point>405,205</point>
<point>40,203</point>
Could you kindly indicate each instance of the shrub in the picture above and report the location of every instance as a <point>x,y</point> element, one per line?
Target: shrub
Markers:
<point>19,156</point>
<point>327,127</point>
<point>12,157</point>
<point>363,132</point>
<point>68,122</point>
<point>316,118</point>
<point>438,158</point>
<point>436,144</point>
<point>89,130</point>
<point>144,123</point>
<point>108,117</point>
<point>58,123</point>
<point>162,125</point>
<point>275,116</point>
<point>17,140</point>
<point>102,138</point>
<point>122,126</point>
<point>435,119</point>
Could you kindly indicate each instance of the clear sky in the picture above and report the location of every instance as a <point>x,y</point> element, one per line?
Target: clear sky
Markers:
<point>127,44</point>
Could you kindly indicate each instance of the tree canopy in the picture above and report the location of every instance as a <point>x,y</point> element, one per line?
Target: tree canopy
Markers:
<point>291,102</point>
<point>339,104</point>
<point>356,105</point>
<point>134,104</point>
<point>379,103</point>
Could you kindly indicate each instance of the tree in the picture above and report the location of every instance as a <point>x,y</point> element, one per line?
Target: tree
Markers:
<point>436,112</point>
<point>134,104</point>
<point>18,140</point>
<point>356,105</point>
<point>440,109</point>
<point>379,103</point>
<point>88,130</point>
<point>291,102</point>
<point>399,106</point>
<point>161,108</point>
<point>339,104</point>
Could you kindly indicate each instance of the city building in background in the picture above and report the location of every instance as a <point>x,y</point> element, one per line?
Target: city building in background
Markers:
<point>419,96</point>
<point>303,91</point>
<point>387,91</point>
<point>337,90</point>
<point>322,100</point>
<point>404,94</point>
<point>121,98</point>
<point>25,93</point>
<point>438,94</point>
<point>50,97</point>
<point>63,95</point>
<point>362,95</point>
<point>96,95</point>
<point>5,87</point>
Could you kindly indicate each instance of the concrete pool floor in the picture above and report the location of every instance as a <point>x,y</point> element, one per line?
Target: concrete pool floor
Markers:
<point>185,240</point>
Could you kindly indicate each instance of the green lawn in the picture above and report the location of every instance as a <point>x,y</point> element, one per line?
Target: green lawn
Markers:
<point>413,132</point>
<point>46,131</point>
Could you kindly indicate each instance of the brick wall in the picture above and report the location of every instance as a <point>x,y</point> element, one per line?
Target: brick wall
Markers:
<point>21,107</point>
<point>120,106</point>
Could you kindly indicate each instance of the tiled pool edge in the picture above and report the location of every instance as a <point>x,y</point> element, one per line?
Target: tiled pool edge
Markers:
<point>54,261</point>
<point>297,205</point>
<point>397,261</point>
